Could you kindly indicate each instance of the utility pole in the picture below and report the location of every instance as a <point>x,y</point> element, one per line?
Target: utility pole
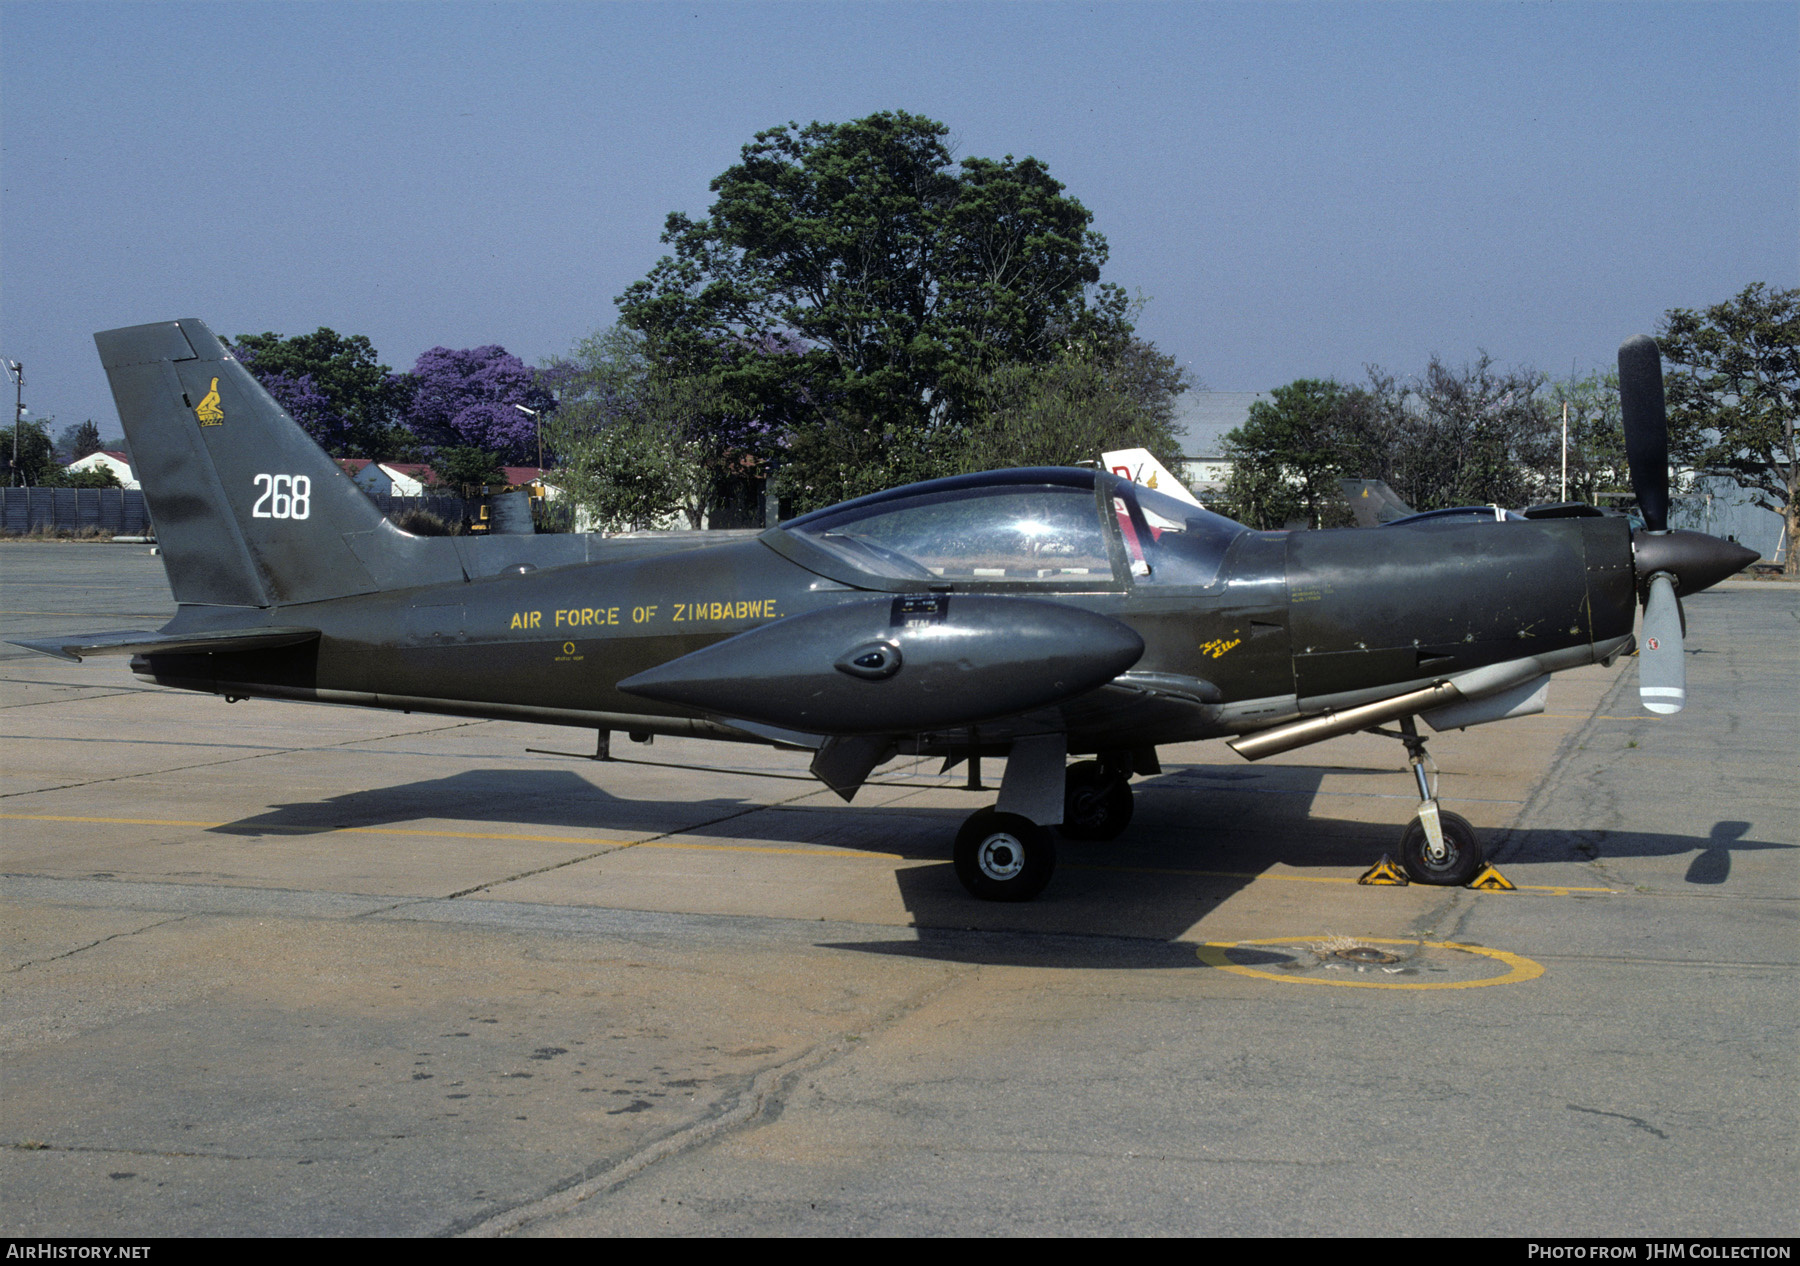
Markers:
<point>1565,453</point>
<point>17,372</point>
<point>538,419</point>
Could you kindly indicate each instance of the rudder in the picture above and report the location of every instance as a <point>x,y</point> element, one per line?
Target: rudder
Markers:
<point>249,511</point>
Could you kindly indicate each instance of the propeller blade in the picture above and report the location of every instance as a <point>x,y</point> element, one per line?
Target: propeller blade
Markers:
<point>1646,427</point>
<point>1662,668</point>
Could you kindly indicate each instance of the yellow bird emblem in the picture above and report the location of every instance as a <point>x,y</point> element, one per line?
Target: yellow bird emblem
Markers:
<point>208,410</point>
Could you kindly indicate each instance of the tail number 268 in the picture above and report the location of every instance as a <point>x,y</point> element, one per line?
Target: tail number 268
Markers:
<point>284,497</point>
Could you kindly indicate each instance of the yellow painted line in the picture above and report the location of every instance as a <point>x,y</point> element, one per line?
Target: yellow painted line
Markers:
<point>49,817</point>
<point>1554,889</point>
<point>1561,890</point>
<point>769,848</point>
<point>452,835</point>
<point>302,830</point>
<point>1214,954</point>
<point>1585,716</point>
<point>1219,874</point>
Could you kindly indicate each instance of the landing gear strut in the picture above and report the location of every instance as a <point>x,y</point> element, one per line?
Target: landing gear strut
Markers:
<point>1097,800</point>
<point>1437,847</point>
<point>1008,852</point>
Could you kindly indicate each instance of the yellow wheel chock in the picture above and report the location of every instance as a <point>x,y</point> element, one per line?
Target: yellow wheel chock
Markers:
<point>1386,873</point>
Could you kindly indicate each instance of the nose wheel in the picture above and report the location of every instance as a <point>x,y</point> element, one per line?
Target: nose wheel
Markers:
<point>1451,862</point>
<point>1437,847</point>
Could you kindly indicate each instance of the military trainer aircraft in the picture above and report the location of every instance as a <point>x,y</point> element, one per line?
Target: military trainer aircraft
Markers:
<point>1038,614</point>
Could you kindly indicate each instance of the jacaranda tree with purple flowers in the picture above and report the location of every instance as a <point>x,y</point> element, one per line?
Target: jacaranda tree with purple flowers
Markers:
<point>334,387</point>
<point>468,398</point>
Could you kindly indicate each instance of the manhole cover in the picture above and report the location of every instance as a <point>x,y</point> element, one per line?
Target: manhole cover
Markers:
<point>1366,963</point>
<point>1366,954</point>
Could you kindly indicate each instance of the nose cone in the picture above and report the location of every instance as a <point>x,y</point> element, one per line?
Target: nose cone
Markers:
<point>1696,560</point>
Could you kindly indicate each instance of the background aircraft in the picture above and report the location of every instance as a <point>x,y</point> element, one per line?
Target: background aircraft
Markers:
<point>1137,465</point>
<point>1037,614</point>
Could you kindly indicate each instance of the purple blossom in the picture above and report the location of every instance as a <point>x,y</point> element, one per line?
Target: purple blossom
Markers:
<point>302,400</point>
<point>467,398</point>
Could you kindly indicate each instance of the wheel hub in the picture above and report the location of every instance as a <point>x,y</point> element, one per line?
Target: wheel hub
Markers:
<point>1000,857</point>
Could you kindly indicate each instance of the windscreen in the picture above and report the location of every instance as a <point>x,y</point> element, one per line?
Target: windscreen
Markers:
<point>1171,541</point>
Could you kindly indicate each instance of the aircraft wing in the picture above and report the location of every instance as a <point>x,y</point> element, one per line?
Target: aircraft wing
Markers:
<point>75,646</point>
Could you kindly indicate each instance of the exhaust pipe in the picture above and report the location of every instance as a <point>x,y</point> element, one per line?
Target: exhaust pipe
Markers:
<point>1477,683</point>
<point>1285,738</point>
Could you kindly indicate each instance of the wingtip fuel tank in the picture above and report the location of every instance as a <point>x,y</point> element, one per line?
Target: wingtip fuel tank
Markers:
<point>904,665</point>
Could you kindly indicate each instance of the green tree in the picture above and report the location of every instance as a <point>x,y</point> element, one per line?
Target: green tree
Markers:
<point>1734,395</point>
<point>79,440</point>
<point>1596,435</point>
<point>851,286</point>
<point>1071,409</point>
<point>35,464</point>
<point>93,477</point>
<point>638,435</point>
<point>40,466</point>
<point>1474,435</point>
<point>1469,435</point>
<point>626,475</point>
<point>459,467</point>
<point>1289,454</point>
<point>363,400</point>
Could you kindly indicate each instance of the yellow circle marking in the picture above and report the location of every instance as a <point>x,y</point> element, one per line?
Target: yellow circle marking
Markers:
<point>1214,954</point>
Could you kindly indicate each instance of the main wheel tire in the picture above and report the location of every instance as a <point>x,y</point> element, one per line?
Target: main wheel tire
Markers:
<point>1004,857</point>
<point>1462,858</point>
<point>1097,802</point>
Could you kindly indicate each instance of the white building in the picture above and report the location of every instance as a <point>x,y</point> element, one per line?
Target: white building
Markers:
<point>1202,421</point>
<point>118,463</point>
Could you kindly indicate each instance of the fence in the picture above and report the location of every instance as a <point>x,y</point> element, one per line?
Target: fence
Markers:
<point>120,511</point>
<point>452,510</point>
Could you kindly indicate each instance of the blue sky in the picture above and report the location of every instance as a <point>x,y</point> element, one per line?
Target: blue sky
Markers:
<point>1299,189</point>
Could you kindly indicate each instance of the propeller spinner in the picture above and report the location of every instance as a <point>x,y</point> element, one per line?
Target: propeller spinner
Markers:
<point>1667,563</point>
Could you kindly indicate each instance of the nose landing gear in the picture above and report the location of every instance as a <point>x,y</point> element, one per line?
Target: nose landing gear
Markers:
<point>1437,847</point>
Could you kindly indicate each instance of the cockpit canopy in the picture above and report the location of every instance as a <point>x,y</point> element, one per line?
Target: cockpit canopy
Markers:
<point>1050,527</point>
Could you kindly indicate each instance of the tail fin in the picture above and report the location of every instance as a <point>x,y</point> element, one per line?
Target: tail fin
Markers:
<point>1137,465</point>
<point>248,510</point>
<point>1373,502</point>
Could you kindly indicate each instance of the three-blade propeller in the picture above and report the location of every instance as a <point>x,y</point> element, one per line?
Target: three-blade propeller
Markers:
<point>1662,669</point>
<point>1668,563</point>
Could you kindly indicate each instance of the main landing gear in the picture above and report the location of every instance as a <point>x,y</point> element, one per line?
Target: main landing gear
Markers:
<point>1004,856</point>
<point>1437,846</point>
<point>1097,800</point>
<point>1008,852</point>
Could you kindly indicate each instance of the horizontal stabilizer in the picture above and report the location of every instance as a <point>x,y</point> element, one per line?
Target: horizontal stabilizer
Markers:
<point>75,646</point>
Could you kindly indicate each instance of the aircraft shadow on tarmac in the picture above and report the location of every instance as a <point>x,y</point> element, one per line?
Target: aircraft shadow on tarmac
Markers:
<point>1200,834</point>
<point>1711,865</point>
